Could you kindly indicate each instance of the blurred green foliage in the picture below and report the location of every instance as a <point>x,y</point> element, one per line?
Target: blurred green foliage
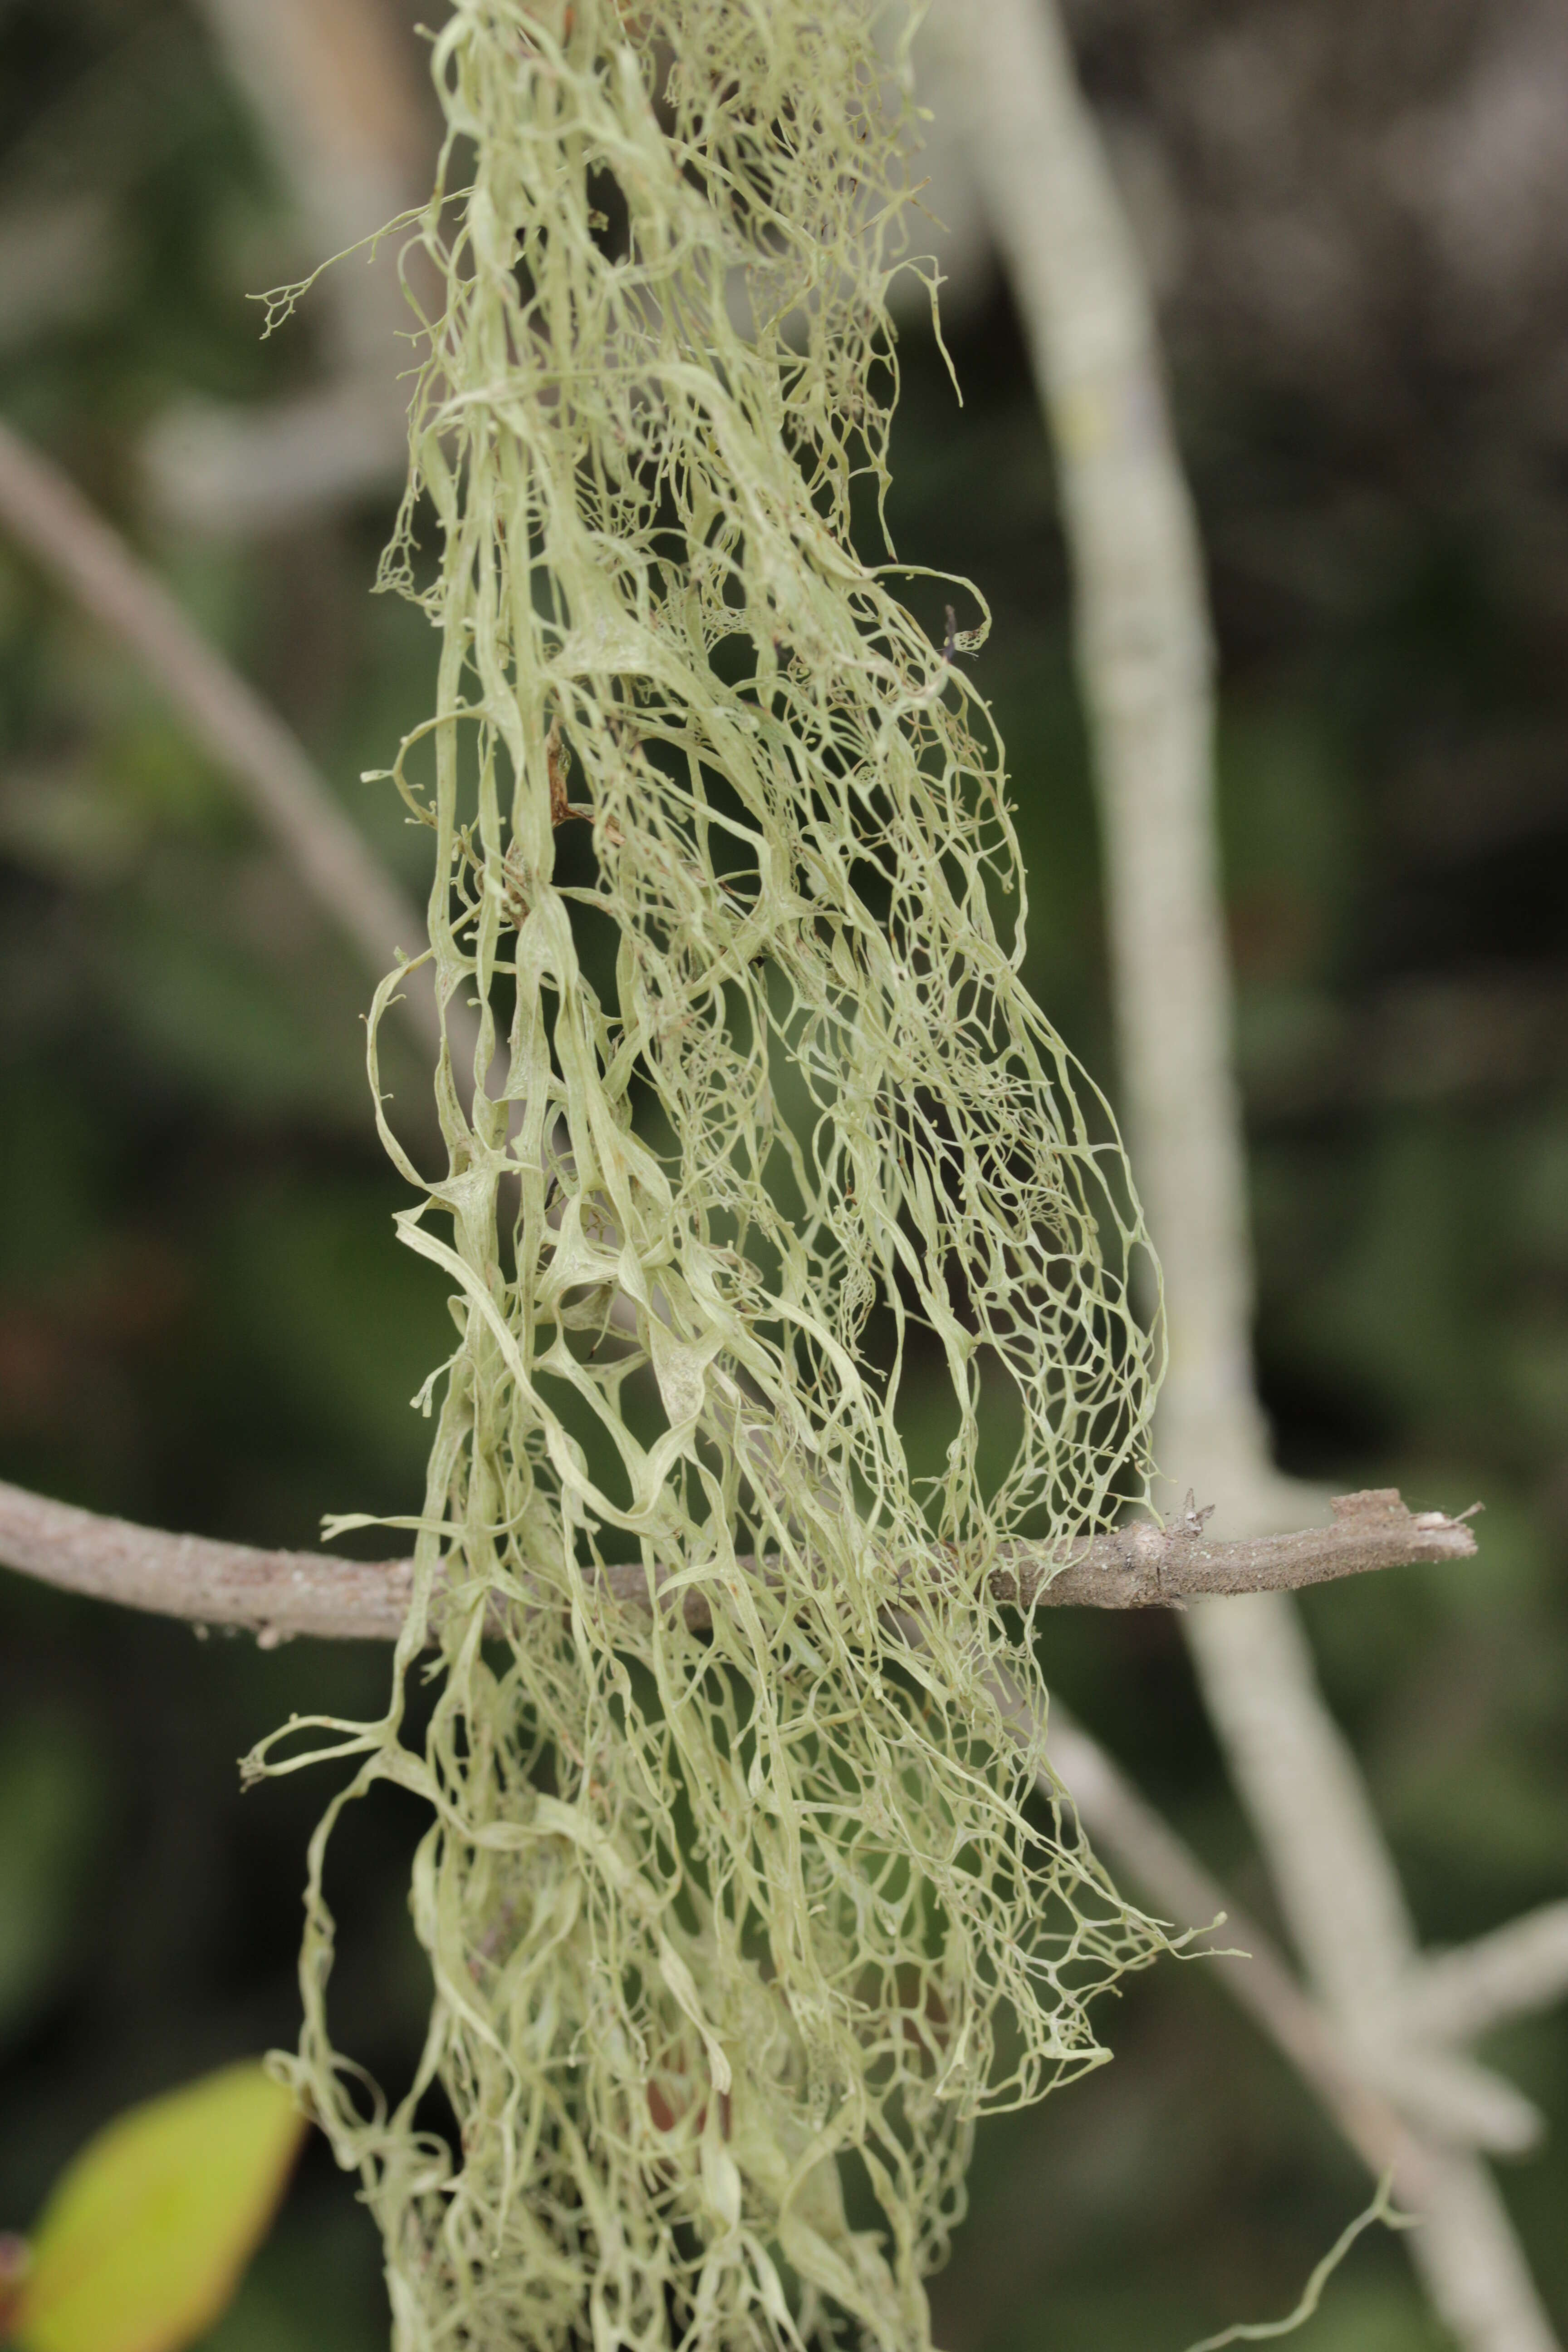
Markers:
<point>144,2238</point>
<point>205,1321</point>
<point>49,1791</point>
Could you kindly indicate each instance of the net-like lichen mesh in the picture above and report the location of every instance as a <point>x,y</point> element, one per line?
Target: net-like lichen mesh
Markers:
<point>739,1900</point>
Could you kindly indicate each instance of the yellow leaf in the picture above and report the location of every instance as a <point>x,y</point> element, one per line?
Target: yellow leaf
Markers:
<point>145,2236</point>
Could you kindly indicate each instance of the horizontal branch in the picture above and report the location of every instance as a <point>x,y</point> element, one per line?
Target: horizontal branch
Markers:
<point>1150,1567</point>
<point>279,1594</point>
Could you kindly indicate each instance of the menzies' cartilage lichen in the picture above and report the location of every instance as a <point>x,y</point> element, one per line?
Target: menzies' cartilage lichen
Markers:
<point>737,1916</point>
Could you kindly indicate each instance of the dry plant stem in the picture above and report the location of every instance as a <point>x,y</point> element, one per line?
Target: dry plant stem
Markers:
<point>335,88</point>
<point>1354,1931</point>
<point>1475,2276</point>
<point>1136,1840</point>
<point>1145,662</point>
<point>281,1595</point>
<point>43,512</point>
<point>1460,1994</point>
<point>1144,653</point>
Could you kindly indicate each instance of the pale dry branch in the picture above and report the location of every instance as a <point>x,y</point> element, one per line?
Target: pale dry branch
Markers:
<point>337,89</point>
<point>1332,1870</point>
<point>1137,1840</point>
<point>213,467</point>
<point>43,512</point>
<point>1455,1995</point>
<point>1145,663</point>
<point>281,1594</point>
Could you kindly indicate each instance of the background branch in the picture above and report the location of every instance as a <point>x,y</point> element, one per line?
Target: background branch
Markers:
<point>1478,2257</point>
<point>1455,1996</point>
<point>338,92</point>
<point>1143,1847</point>
<point>43,512</point>
<point>1144,657</point>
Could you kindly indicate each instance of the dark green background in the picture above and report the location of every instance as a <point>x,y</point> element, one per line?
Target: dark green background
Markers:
<point>205,1321</point>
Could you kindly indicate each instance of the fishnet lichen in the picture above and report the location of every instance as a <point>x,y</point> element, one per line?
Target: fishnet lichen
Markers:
<point>735,1927</point>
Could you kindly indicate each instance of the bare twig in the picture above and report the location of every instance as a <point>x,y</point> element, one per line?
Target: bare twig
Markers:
<point>339,91</point>
<point>1455,1995</point>
<point>1137,1840</point>
<point>1335,1878</point>
<point>1144,664</point>
<point>1148,1566</point>
<point>1474,2271</point>
<point>1144,654</point>
<point>284,1593</point>
<point>45,513</point>
<point>336,88</point>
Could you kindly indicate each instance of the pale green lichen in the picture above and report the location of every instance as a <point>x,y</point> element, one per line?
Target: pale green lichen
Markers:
<point>735,1931</point>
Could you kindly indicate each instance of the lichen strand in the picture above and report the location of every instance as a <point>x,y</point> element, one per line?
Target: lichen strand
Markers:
<point>733,1934</point>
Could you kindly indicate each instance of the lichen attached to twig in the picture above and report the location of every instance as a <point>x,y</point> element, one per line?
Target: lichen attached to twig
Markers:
<point>733,1931</point>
